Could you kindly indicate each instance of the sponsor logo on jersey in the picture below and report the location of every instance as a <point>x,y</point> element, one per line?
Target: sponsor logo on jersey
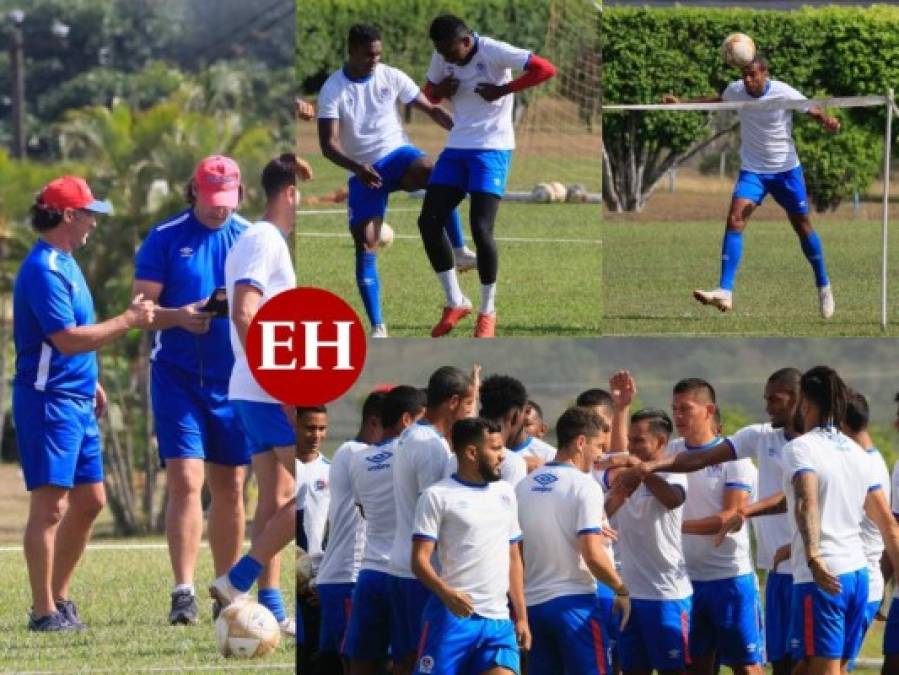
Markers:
<point>481,67</point>
<point>186,251</point>
<point>426,664</point>
<point>320,485</point>
<point>378,461</point>
<point>545,481</point>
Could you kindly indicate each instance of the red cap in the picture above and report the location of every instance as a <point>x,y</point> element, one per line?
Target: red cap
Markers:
<point>72,192</point>
<point>218,182</point>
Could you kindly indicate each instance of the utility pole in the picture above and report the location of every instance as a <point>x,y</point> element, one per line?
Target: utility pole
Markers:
<point>17,59</point>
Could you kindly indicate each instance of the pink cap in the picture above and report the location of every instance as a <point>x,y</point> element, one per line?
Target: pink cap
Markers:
<point>218,182</point>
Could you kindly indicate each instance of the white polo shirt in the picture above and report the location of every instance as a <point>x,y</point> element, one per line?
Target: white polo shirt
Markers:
<point>872,541</point>
<point>346,528</point>
<point>535,447</point>
<point>313,499</point>
<point>371,479</point>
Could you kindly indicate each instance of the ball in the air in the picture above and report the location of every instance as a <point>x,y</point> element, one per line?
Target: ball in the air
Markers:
<point>738,50</point>
<point>387,235</point>
<point>542,193</point>
<point>246,630</point>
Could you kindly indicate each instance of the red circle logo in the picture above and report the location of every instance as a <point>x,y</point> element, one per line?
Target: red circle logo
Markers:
<point>306,346</point>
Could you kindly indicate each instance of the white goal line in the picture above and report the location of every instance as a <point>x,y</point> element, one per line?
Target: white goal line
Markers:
<point>513,240</point>
<point>110,547</point>
<point>768,104</point>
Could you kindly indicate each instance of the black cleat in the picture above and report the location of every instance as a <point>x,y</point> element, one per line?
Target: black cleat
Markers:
<point>68,610</point>
<point>52,623</point>
<point>184,609</point>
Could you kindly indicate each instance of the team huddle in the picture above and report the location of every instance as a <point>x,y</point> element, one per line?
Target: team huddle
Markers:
<point>459,541</point>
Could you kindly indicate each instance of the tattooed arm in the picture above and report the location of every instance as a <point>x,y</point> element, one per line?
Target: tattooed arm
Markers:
<point>808,522</point>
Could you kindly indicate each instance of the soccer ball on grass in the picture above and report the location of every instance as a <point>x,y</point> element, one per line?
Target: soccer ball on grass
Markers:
<point>246,629</point>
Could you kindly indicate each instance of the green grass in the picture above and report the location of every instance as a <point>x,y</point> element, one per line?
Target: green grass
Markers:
<point>650,269</point>
<point>123,597</point>
<point>544,288</point>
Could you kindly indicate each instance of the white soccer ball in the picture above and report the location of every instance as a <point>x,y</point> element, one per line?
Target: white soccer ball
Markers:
<point>542,193</point>
<point>246,630</point>
<point>387,235</point>
<point>738,50</point>
<point>577,194</point>
<point>559,191</point>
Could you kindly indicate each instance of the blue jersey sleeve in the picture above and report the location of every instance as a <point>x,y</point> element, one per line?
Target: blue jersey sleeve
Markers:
<point>150,264</point>
<point>50,299</point>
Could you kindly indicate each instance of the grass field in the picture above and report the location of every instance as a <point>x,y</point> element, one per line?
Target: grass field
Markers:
<point>652,262</point>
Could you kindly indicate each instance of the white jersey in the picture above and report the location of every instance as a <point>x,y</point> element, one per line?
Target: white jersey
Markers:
<point>845,474</point>
<point>371,476</point>
<point>366,109</point>
<point>346,528</point>
<point>421,457</point>
<point>765,445</point>
<point>512,469</point>
<point>259,257</point>
<point>705,497</point>
<point>894,503</point>
<point>557,503</point>
<point>479,124</point>
<point>473,525</point>
<point>535,447</point>
<point>649,544</point>
<point>313,499</point>
<point>766,136</point>
<point>872,541</point>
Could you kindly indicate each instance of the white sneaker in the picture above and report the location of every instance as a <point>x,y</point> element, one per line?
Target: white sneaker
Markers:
<point>289,627</point>
<point>719,298</point>
<point>379,331</point>
<point>825,301</point>
<point>222,590</point>
<point>466,259</point>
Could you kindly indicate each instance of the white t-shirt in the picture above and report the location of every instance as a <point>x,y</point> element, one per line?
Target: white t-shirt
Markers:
<point>535,447</point>
<point>766,140</point>
<point>557,503</point>
<point>765,445</point>
<point>346,528</point>
<point>259,257</point>
<point>371,477</point>
<point>845,474</point>
<point>705,497</point>
<point>649,544</point>
<point>369,122</point>
<point>473,526</point>
<point>420,462</point>
<point>512,469</point>
<point>479,124</point>
<point>872,541</point>
<point>313,499</point>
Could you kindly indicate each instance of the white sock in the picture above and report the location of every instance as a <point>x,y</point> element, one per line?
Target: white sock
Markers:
<point>184,587</point>
<point>451,289</point>
<point>488,298</point>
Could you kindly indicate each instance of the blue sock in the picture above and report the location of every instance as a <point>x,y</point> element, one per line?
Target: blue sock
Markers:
<point>453,229</point>
<point>271,599</point>
<point>731,252</point>
<point>244,573</point>
<point>369,285</point>
<point>814,253</point>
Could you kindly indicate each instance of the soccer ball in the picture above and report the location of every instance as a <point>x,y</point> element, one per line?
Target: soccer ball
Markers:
<point>542,193</point>
<point>387,234</point>
<point>577,193</point>
<point>246,629</point>
<point>559,191</point>
<point>738,50</point>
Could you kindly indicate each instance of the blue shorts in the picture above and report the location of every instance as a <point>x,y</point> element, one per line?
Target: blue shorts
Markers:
<point>891,630</point>
<point>829,626</point>
<point>657,635</point>
<point>194,421</point>
<point>265,424</point>
<point>335,601</point>
<point>365,203</point>
<point>408,598</point>
<point>368,636</point>
<point>473,170</point>
<point>569,636</point>
<point>454,646</point>
<point>778,599</point>
<point>870,610</point>
<point>612,621</point>
<point>787,188</point>
<point>726,619</point>
<point>58,439</point>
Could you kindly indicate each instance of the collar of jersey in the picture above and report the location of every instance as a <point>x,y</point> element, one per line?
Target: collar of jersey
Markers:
<point>44,244</point>
<point>872,449</point>
<point>521,446</point>
<point>357,80</point>
<point>382,443</point>
<point>563,464</point>
<point>711,444</point>
<point>826,428</point>
<point>466,483</point>
<point>765,90</point>
<point>474,50</point>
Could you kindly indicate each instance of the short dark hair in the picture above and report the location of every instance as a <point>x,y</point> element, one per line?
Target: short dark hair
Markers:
<point>43,217</point>
<point>281,172</point>
<point>373,405</point>
<point>693,384</point>
<point>400,400</point>
<point>501,393</point>
<point>759,60</point>
<point>536,406</point>
<point>788,378</point>
<point>447,27</point>
<point>659,422</point>
<point>446,382</point>
<point>575,422</point>
<point>857,414</point>
<point>472,431</point>
<point>594,397</point>
<point>310,409</point>
<point>362,34</point>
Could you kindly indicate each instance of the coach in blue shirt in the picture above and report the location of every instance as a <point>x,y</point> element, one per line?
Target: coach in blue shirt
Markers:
<point>180,265</point>
<point>56,395</point>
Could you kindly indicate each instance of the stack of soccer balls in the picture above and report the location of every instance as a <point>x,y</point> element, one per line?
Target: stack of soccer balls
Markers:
<point>555,192</point>
<point>738,50</point>
<point>246,630</point>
